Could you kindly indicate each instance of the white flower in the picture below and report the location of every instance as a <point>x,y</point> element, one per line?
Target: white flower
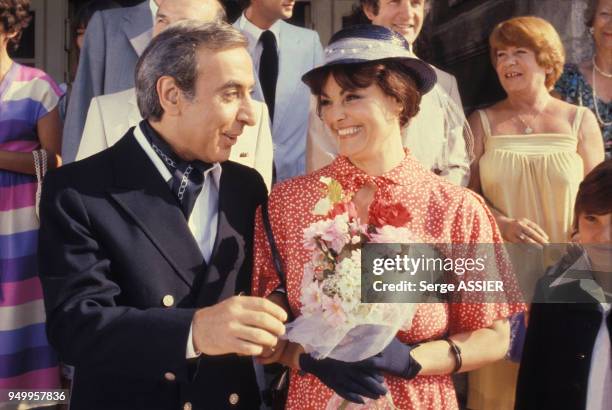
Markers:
<point>326,180</point>
<point>322,207</point>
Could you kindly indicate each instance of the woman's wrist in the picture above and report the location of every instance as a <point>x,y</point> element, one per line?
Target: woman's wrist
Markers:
<point>291,358</point>
<point>503,222</point>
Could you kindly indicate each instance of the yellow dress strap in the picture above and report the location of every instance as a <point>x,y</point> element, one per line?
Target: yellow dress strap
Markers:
<point>486,126</point>
<point>578,120</point>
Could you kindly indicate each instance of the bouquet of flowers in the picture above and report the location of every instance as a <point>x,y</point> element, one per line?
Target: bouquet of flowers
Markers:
<point>333,322</point>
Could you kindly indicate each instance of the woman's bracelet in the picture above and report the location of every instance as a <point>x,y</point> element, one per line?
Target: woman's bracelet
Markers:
<point>456,352</point>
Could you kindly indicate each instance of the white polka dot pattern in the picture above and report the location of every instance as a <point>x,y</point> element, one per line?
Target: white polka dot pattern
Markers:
<point>441,213</point>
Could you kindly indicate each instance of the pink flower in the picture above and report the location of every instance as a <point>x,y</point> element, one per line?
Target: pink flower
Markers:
<point>337,234</point>
<point>311,298</point>
<point>334,313</point>
<point>313,233</point>
<point>309,273</point>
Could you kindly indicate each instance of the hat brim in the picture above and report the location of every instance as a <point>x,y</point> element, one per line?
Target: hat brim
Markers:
<point>423,74</point>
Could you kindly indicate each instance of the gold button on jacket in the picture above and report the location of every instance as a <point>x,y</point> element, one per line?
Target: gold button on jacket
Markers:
<point>168,301</point>
<point>233,399</point>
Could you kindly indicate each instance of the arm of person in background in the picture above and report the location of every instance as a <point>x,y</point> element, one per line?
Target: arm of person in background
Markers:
<point>49,132</point>
<point>458,151</point>
<point>590,142</point>
<point>513,230</point>
<point>88,83</point>
<point>318,50</point>
<point>320,146</point>
<point>320,149</point>
<point>94,133</point>
<point>264,150</point>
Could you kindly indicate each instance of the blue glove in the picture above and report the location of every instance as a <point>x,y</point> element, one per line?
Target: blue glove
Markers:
<point>395,359</point>
<point>349,380</point>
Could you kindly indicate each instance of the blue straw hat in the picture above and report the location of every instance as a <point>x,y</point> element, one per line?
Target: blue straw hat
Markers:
<point>367,43</point>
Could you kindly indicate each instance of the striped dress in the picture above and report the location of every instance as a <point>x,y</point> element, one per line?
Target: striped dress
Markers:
<point>26,359</point>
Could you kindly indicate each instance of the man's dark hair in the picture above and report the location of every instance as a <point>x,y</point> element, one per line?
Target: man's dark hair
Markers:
<point>14,18</point>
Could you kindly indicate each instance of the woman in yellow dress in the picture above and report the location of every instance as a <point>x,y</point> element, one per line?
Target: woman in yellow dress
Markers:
<point>531,153</point>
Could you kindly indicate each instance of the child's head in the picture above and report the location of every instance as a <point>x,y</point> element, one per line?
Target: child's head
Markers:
<point>593,212</point>
<point>593,209</point>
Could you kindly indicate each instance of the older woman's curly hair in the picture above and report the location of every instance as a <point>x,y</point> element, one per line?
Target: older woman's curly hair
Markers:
<point>14,17</point>
<point>533,33</point>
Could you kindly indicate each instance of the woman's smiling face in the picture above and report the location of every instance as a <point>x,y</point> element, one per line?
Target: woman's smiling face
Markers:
<point>361,120</point>
<point>518,69</point>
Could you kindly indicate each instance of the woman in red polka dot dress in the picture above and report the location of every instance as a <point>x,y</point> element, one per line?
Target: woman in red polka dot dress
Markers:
<point>367,90</point>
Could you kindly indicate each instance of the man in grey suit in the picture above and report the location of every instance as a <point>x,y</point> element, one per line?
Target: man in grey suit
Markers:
<point>113,42</point>
<point>281,54</point>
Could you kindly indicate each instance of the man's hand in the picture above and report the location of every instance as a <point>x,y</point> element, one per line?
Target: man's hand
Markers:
<point>273,354</point>
<point>243,325</point>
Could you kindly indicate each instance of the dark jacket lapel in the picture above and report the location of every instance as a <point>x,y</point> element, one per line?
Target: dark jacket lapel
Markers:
<point>140,190</point>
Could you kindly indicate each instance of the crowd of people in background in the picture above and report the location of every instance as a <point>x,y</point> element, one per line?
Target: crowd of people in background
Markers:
<point>86,297</point>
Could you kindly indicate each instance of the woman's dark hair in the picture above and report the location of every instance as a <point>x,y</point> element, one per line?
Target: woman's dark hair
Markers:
<point>14,17</point>
<point>595,193</point>
<point>390,76</point>
<point>87,10</point>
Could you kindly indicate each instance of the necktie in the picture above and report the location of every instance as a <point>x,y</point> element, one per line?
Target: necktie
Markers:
<point>268,69</point>
<point>187,177</point>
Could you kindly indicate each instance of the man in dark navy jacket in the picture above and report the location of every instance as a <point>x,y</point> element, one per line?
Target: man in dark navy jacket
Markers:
<point>146,247</point>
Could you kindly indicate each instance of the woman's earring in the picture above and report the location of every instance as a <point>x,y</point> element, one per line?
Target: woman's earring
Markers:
<point>591,30</point>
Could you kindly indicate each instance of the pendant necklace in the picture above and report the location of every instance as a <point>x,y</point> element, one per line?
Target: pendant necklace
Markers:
<point>607,75</point>
<point>528,129</point>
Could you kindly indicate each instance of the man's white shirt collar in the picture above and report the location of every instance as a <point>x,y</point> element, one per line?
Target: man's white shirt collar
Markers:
<point>161,167</point>
<point>253,32</point>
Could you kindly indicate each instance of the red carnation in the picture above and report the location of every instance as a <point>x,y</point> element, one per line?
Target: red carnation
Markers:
<point>341,208</point>
<point>389,214</point>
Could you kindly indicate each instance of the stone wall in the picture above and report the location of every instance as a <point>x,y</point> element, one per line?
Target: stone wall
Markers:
<point>568,18</point>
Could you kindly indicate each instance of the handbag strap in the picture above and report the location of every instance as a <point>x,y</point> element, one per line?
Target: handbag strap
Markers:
<point>40,166</point>
<point>278,265</point>
<point>276,393</point>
